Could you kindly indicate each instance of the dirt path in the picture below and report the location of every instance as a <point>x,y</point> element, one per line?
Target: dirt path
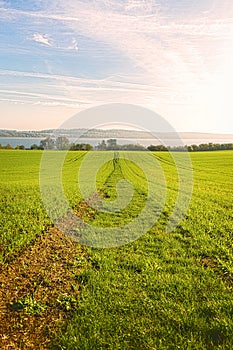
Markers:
<point>38,291</point>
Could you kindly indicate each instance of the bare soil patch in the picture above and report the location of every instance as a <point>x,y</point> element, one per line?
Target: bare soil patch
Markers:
<point>38,291</point>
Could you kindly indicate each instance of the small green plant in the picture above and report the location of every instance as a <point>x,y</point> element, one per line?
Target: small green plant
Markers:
<point>29,305</point>
<point>67,302</point>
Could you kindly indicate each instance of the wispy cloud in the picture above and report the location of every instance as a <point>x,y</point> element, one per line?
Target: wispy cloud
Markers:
<point>71,91</point>
<point>42,39</point>
<point>114,82</point>
<point>73,45</point>
<point>46,40</point>
<point>166,49</point>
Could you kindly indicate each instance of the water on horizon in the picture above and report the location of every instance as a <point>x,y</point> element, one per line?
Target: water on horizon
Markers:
<point>27,142</point>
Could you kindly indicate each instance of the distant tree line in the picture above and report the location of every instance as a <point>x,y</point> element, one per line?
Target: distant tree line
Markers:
<point>210,147</point>
<point>8,146</point>
<point>193,148</point>
<point>49,143</point>
<point>111,145</point>
<point>62,143</point>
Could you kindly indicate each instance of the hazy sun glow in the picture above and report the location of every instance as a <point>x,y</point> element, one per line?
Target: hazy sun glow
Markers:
<point>62,57</point>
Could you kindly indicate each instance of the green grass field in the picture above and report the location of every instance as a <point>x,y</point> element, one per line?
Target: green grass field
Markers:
<point>162,291</point>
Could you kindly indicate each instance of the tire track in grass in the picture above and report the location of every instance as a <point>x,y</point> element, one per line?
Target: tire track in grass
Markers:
<point>76,157</point>
<point>115,172</point>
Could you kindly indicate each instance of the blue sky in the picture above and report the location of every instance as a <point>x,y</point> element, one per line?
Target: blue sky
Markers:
<point>61,57</point>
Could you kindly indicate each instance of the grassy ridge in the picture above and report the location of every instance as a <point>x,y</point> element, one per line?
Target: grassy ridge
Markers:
<point>163,291</point>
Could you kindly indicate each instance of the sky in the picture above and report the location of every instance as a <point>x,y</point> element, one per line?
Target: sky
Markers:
<point>60,57</point>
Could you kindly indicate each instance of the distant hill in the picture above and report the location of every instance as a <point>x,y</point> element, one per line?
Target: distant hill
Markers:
<point>187,137</point>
